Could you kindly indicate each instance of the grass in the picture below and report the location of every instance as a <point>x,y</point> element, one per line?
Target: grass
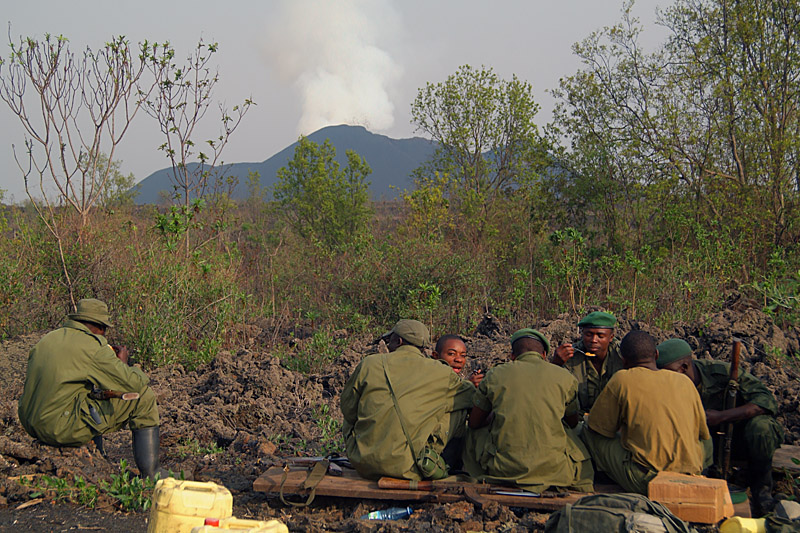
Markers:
<point>190,446</point>
<point>75,490</point>
<point>332,440</point>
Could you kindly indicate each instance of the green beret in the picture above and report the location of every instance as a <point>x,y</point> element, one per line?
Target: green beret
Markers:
<point>529,333</point>
<point>92,310</point>
<point>598,319</point>
<point>412,331</point>
<point>672,350</point>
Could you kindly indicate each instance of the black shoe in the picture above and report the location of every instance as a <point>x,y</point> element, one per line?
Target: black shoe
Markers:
<point>760,480</point>
<point>98,443</point>
<point>145,452</point>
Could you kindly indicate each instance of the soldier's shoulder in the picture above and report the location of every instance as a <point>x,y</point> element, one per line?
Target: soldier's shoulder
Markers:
<point>713,367</point>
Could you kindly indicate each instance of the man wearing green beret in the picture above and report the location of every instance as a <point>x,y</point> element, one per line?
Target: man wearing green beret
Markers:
<point>517,432</point>
<point>402,405</point>
<point>593,359</point>
<point>646,421</point>
<point>756,432</point>
<point>65,366</point>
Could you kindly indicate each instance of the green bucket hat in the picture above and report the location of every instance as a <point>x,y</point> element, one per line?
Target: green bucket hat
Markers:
<point>412,331</point>
<point>598,319</point>
<point>530,333</point>
<point>92,310</point>
<point>672,350</point>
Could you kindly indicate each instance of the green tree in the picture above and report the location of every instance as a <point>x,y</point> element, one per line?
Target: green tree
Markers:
<point>185,91</point>
<point>323,202</point>
<point>488,143</point>
<point>707,120</point>
<point>118,189</point>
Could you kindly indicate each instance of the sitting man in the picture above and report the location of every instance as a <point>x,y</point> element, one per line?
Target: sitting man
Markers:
<point>756,433</point>
<point>401,405</point>
<point>65,366</point>
<point>658,414</point>
<point>593,359</point>
<point>517,432</point>
<point>452,350</point>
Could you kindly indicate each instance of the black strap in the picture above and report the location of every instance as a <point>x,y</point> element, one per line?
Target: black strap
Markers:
<point>400,416</point>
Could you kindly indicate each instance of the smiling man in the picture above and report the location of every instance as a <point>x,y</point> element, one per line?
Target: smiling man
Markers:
<point>452,350</point>
<point>593,359</point>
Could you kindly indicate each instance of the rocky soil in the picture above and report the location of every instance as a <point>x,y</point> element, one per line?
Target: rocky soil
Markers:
<point>229,420</point>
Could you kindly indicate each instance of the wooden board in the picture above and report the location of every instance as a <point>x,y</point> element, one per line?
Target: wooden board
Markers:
<point>350,485</point>
<point>783,458</point>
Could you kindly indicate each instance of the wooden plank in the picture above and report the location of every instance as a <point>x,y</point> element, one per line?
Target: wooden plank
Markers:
<point>783,458</point>
<point>350,485</point>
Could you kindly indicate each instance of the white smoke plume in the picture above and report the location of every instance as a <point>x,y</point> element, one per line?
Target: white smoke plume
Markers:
<point>330,50</point>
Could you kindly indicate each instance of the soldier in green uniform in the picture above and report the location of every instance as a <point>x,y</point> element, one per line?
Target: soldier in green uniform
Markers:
<point>402,401</point>
<point>593,359</point>
<point>65,366</point>
<point>452,350</point>
<point>517,425</point>
<point>646,421</point>
<point>756,433</point>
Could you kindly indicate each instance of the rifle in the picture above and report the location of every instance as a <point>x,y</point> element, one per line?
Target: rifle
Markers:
<point>481,494</point>
<point>99,394</point>
<point>729,403</point>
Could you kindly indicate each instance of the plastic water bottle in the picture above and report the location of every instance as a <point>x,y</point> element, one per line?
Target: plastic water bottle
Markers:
<point>392,513</point>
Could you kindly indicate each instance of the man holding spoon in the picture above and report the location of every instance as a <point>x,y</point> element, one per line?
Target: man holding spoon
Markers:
<point>593,359</point>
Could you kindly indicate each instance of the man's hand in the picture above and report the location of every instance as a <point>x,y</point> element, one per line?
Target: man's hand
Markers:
<point>122,353</point>
<point>476,377</point>
<point>563,354</point>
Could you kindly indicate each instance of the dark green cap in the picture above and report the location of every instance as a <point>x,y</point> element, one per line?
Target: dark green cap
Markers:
<point>412,331</point>
<point>530,333</point>
<point>672,350</point>
<point>598,319</point>
<point>92,310</point>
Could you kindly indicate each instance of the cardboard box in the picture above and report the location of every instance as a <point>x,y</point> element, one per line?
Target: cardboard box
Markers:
<point>692,498</point>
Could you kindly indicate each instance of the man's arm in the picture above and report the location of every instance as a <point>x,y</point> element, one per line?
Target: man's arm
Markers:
<point>109,372</point>
<point>481,414</point>
<point>571,412</point>
<point>743,412</point>
<point>348,400</point>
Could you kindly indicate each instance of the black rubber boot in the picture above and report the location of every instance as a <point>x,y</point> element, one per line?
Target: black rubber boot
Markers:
<point>145,452</point>
<point>760,480</point>
<point>98,443</point>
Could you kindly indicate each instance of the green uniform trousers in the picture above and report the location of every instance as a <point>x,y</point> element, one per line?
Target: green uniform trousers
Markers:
<point>114,414</point>
<point>612,458</point>
<point>754,439</point>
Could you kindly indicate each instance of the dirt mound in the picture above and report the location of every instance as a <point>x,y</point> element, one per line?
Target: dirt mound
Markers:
<point>228,420</point>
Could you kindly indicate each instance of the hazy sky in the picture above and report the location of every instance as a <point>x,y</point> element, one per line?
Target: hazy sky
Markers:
<point>310,63</point>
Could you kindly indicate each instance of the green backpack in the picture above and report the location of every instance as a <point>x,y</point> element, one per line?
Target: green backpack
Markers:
<point>608,513</point>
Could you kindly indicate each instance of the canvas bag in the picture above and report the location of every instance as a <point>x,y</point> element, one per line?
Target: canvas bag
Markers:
<point>608,513</point>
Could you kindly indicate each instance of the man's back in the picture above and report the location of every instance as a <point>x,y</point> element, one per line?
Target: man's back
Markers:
<point>659,415</point>
<point>62,367</point>
<point>528,443</point>
<point>427,391</point>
